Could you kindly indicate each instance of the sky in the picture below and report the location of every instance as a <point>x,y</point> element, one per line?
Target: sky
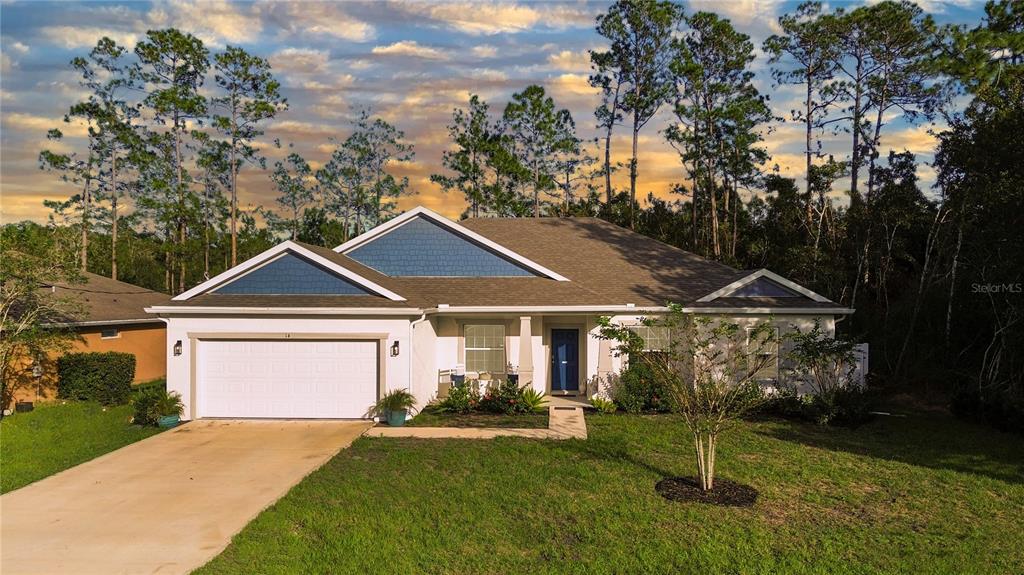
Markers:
<point>411,62</point>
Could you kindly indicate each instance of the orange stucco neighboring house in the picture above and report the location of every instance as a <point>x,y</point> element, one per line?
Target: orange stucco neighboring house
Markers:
<point>112,319</point>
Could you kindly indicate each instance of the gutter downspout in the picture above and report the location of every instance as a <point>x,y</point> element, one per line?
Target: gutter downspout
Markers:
<point>412,328</point>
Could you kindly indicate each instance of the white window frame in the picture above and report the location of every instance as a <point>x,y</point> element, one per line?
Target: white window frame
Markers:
<point>117,333</point>
<point>467,348</point>
<point>667,336</point>
<point>774,367</point>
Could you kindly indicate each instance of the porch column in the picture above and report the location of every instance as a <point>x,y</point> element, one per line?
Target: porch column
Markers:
<point>525,351</point>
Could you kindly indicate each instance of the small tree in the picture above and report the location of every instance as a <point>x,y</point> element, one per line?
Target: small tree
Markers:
<point>825,364</point>
<point>711,367</point>
<point>29,314</point>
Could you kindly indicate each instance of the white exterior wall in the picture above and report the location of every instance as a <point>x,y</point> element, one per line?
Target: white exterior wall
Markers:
<point>424,361</point>
<point>180,368</point>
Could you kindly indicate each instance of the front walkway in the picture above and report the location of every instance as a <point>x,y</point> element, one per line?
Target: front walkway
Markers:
<point>563,423</point>
<point>167,504</point>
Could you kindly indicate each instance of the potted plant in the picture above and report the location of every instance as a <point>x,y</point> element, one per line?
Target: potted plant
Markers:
<point>168,409</point>
<point>394,406</point>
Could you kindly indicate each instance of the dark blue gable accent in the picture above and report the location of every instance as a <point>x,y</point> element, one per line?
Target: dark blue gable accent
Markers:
<point>422,248</point>
<point>762,287</point>
<point>291,275</point>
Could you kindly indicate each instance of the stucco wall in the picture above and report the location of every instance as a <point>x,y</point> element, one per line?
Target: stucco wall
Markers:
<point>180,368</point>
<point>145,341</point>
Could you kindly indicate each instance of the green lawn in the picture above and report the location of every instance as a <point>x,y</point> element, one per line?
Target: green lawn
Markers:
<point>59,435</point>
<point>430,418</point>
<point>922,494</point>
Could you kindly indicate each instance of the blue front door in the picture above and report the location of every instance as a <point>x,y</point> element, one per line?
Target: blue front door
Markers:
<point>565,360</point>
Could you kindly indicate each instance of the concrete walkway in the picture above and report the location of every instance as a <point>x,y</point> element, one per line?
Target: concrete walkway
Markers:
<point>167,504</point>
<point>563,423</point>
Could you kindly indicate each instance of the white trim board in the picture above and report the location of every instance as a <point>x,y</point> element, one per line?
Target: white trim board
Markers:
<point>454,227</point>
<point>763,273</point>
<point>274,252</point>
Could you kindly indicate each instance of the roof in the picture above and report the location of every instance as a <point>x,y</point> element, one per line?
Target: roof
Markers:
<point>106,300</point>
<point>606,265</point>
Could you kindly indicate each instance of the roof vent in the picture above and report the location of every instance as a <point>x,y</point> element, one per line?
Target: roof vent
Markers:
<point>630,305</point>
<point>442,306</point>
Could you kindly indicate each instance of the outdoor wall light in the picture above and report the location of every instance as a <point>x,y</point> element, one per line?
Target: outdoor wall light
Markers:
<point>394,349</point>
<point>177,347</point>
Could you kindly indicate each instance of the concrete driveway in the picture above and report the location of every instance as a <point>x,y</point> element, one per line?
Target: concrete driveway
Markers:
<point>167,504</point>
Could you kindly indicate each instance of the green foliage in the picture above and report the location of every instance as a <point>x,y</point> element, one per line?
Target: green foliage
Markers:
<point>394,400</point>
<point>637,390</point>
<point>103,377</point>
<point>603,405</point>
<point>846,407</point>
<point>532,400</point>
<point>152,403</point>
<point>504,397</point>
<point>460,399</point>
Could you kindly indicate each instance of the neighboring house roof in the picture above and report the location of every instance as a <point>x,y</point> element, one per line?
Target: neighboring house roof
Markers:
<point>109,302</point>
<point>600,265</point>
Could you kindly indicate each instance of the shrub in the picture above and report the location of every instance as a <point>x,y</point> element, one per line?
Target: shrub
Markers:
<point>461,399</point>
<point>533,400</point>
<point>603,405</point>
<point>1001,410</point>
<point>637,390</point>
<point>103,377</point>
<point>505,397</point>
<point>846,406</point>
<point>152,403</point>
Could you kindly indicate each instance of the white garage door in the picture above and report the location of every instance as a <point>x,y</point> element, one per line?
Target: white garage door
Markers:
<point>286,378</point>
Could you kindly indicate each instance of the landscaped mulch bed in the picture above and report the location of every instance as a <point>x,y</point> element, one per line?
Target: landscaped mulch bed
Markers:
<point>434,419</point>
<point>725,493</point>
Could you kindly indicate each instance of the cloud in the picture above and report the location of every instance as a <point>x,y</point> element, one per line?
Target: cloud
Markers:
<point>6,64</point>
<point>18,47</point>
<point>41,124</point>
<point>74,37</point>
<point>573,84</point>
<point>317,18</point>
<point>412,49</point>
<point>299,60</point>
<point>485,51</point>
<point>215,22</point>
<point>570,61</point>
<point>740,11</point>
<point>486,19</point>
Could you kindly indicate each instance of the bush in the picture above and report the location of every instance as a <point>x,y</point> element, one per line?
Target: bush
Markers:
<point>103,377</point>
<point>1000,410</point>
<point>636,390</point>
<point>603,405</point>
<point>461,399</point>
<point>533,400</point>
<point>506,398</point>
<point>846,406</point>
<point>152,403</point>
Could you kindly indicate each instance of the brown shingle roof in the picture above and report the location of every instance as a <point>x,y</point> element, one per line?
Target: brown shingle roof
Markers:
<point>605,263</point>
<point>107,300</point>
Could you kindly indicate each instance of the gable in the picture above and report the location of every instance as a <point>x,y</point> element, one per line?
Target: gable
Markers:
<point>291,275</point>
<point>420,247</point>
<point>762,287</point>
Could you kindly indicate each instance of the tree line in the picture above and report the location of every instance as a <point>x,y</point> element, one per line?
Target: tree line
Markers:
<point>940,267</point>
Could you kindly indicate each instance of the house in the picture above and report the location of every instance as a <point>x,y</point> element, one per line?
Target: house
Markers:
<point>307,332</point>
<point>112,318</point>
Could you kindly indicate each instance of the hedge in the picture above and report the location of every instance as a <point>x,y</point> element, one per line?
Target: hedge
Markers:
<point>103,377</point>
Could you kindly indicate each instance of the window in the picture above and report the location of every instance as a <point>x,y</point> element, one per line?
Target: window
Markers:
<point>109,333</point>
<point>656,338</point>
<point>485,348</point>
<point>769,354</point>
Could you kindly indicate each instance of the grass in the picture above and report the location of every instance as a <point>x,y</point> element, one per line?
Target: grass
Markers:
<point>58,435</point>
<point>921,494</point>
<point>431,418</point>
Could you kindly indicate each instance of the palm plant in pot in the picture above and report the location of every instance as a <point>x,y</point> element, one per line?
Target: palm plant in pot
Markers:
<point>394,406</point>
<point>168,408</point>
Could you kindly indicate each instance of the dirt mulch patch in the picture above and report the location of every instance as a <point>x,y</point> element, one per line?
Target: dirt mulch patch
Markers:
<point>725,493</point>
